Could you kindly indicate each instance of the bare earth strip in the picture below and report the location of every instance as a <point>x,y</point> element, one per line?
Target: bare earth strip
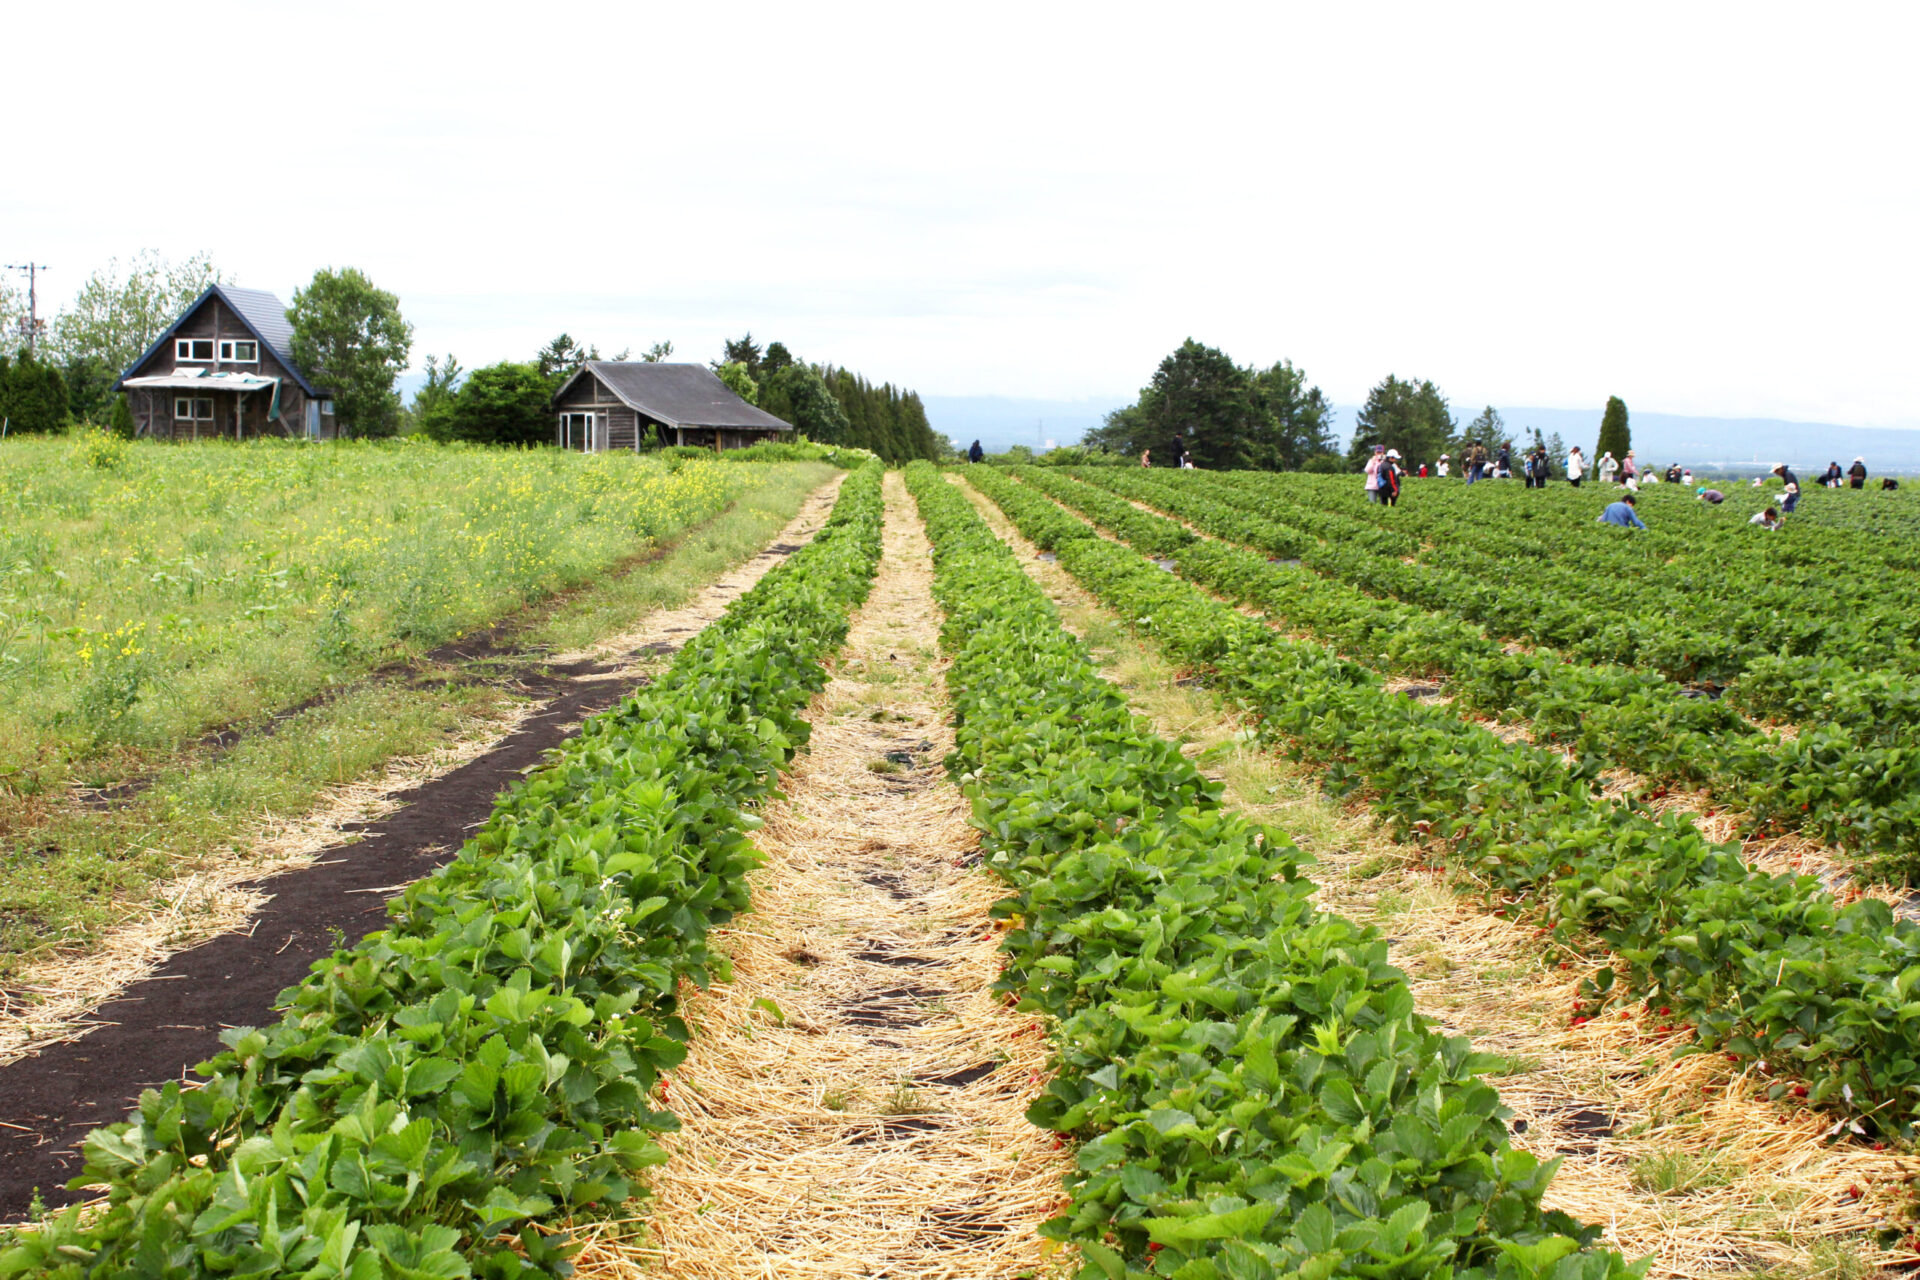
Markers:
<point>854,1099</point>
<point>49,1002</point>
<point>1680,1159</point>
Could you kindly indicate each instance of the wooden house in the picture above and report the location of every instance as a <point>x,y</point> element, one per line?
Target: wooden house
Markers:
<point>225,368</point>
<point>609,404</point>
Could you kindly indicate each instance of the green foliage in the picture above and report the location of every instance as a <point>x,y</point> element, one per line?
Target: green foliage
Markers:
<point>1222,415</point>
<point>33,395</point>
<point>1409,416</point>
<point>1300,420</point>
<point>120,418</point>
<point>1488,429</point>
<point>1770,969</point>
<point>431,413</point>
<point>488,1060</point>
<point>116,316</point>
<point>797,394</point>
<point>834,406</point>
<point>506,403</point>
<point>1615,437</point>
<point>101,450</point>
<point>560,358</point>
<point>349,339</point>
<point>1251,1088</point>
<point>739,381</point>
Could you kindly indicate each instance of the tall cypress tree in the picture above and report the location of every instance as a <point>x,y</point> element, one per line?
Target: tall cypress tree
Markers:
<point>1614,436</point>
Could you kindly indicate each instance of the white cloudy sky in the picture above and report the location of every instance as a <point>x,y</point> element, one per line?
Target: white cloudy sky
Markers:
<point>1703,208</point>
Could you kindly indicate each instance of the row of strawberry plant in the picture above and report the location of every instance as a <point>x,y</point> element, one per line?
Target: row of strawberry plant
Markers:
<point>1253,1092</point>
<point>1831,781</point>
<point>1764,968</point>
<point>483,1065</point>
<point>1708,604</point>
<point>1803,635</point>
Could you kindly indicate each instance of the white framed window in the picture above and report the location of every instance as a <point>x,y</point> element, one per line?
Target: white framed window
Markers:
<point>188,408</point>
<point>576,432</point>
<point>326,408</point>
<point>193,349</point>
<point>239,351</point>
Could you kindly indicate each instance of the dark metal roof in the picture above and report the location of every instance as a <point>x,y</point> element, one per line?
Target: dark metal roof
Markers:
<point>677,395</point>
<point>262,313</point>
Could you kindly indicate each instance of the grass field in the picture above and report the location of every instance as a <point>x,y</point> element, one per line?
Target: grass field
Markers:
<point>157,613</point>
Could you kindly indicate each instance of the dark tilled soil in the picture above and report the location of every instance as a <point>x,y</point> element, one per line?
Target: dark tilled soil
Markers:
<point>161,1026</point>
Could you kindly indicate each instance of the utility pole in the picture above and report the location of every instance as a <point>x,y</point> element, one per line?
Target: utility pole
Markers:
<point>30,327</point>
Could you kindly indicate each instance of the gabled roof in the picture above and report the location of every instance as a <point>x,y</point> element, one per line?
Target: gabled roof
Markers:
<point>263,314</point>
<point>678,395</point>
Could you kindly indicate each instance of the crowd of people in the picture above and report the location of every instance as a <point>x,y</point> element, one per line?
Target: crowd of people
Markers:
<point>1386,469</point>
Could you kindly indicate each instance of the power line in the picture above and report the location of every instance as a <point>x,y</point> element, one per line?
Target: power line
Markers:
<point>31,326</point>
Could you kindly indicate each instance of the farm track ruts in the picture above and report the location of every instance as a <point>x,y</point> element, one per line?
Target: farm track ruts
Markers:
<point>853,1099</point>
<point>1606,1097</point>
<point>159,1026</point>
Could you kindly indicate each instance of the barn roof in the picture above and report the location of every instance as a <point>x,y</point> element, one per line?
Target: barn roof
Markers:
<point>677,395</point>
<point>262,312</point>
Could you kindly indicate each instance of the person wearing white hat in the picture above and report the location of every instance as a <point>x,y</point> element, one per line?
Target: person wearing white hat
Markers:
<point>1390,474</point>
<point>1857,474</point>
<point>1792,483</point>
<point>1440,467</point>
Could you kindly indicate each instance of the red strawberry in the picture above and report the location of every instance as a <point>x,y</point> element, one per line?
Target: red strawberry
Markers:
<point>1799,1091</point>
<point>1664,1011</point>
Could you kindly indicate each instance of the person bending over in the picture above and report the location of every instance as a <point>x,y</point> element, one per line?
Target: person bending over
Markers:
<point>1622,514</point>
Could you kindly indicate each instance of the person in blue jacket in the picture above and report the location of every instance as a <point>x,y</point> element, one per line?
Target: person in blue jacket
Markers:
<point>1622,514</point>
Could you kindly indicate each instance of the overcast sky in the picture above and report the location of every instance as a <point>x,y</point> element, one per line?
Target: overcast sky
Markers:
<point>1700,208</point>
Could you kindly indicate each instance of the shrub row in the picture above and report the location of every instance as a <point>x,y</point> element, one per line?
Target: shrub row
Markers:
<point>1765,968</point>
<point>1835,782</point>
<point>1253,1092</point>
<point>485,1061</point>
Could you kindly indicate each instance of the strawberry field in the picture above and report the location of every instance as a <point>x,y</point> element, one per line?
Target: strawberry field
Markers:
<point>744,978</point>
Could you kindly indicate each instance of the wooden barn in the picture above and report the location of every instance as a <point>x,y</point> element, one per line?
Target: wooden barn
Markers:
<point>608,404</point>
<point>225,368</point>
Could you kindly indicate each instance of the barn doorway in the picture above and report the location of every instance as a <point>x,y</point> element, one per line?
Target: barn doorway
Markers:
<point>577,432</point>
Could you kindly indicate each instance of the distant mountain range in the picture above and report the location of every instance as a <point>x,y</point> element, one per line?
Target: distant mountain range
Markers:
<point>1659,438</point>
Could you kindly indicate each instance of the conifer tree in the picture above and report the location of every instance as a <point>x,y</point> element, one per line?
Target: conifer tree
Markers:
<point>1614,436</point>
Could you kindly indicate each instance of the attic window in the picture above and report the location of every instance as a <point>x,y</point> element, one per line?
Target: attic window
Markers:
<point>193,349</point>
<point>240,352</point>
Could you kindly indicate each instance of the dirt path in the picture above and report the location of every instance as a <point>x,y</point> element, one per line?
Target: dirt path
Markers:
<point>1676,1158</point>
<point>92,1052</point>
<point>854,1100</point>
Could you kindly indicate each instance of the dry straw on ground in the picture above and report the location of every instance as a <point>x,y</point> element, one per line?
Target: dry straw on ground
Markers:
<point>853,1101</point>
<point>1681,1159</point>
<point>50,1001</point>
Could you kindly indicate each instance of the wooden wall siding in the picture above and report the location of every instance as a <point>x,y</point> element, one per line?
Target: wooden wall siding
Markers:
<point>153,410</point>
<point>623,428</point>
<point>586,392</point>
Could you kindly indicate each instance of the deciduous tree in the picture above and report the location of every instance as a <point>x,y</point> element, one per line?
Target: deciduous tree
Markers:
<point>740,382</point>
<point>350,338</point>
<point>118,313</point>
<point>433,404</point>
<point>507,403</point>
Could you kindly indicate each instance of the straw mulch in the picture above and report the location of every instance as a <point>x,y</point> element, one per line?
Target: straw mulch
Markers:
<point>853,1101</point>
<point>50,1001</point>
<point>1680,1159</point>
